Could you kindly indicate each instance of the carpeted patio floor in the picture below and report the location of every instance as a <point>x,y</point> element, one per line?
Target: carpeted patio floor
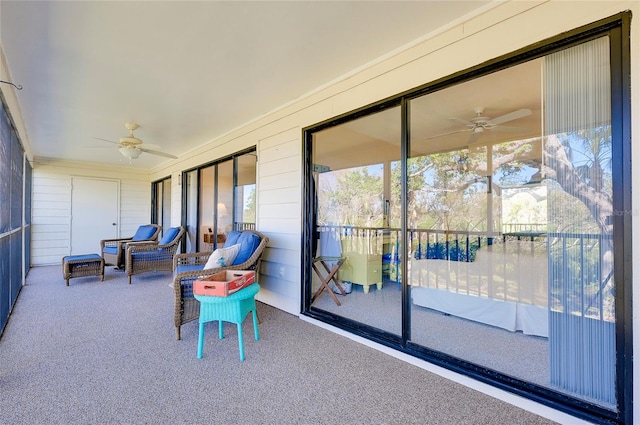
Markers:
<point>106,353</point>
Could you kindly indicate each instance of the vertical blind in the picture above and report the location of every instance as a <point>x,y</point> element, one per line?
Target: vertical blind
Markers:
<point>577,97</point>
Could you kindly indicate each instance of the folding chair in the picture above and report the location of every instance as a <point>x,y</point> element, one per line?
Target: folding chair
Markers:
<point>327,264</point>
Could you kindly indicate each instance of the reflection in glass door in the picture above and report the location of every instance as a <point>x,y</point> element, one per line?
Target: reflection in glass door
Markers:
<point>245,193</point>
<point>224,201</point>
<point>510,261</point>
<point>217,205</point>
<point>357,218</point>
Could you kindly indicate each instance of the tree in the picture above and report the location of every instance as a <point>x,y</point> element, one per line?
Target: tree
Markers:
<point>577,163</point>
<point>351,197</point>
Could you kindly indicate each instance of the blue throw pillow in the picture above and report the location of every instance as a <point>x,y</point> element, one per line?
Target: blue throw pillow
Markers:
<point>232,238</point>
<point>248,243</point>
<point>144,233</point>
<point>169,235</point>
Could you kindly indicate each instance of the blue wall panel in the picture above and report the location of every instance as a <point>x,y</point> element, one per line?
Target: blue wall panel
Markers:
<point>5,172</point>
<point>15,275</point>
<point>12,197</point>
<point>16,182</point>
<point>4,283</point>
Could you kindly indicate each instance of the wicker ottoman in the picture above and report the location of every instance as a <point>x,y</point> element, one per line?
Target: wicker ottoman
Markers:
<point>82,265</point>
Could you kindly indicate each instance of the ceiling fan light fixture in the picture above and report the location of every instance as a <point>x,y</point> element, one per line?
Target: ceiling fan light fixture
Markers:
<point>130,152</point>
<point>131,147</point>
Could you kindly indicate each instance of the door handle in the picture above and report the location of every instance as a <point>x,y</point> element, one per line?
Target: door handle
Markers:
<point>113,224</point>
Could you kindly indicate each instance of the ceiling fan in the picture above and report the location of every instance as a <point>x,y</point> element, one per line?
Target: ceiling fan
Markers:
<point>131,147</point>
<point>480,123</point>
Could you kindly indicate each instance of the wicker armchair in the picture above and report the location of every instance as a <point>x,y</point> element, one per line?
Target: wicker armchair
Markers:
<point>189,267</point>
<point>113,250</point>
<point>151,256</point>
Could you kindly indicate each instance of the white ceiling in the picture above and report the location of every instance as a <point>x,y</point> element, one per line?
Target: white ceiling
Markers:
<point>434,125</point>
<point>187,72</point>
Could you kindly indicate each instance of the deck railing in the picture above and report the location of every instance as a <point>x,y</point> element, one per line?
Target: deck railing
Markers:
<point>575,277</point>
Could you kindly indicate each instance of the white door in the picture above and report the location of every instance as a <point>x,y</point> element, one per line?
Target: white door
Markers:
<point>94,213</point>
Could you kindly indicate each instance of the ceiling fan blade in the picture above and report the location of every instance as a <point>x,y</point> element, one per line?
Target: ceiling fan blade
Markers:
<point>105,140</point>
<point>153,152</point>
<point>508,129</point>
<point>463,122</point>
<point>149,146</point>
<point>474,138</point>
<point>520,113</point>
<point>448,133</point>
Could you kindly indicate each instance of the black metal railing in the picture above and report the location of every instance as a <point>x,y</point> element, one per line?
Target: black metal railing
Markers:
<point>567,272</point>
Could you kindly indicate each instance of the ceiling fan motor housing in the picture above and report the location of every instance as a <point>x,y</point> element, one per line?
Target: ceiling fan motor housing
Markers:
<point>130,141</point>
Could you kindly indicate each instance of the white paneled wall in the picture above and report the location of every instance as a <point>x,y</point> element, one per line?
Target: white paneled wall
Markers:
<point>279,216</point>
<point>51,212</point>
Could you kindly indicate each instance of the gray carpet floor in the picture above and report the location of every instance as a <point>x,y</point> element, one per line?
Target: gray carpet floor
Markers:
<point>106,353</point>
<point>512,353</point>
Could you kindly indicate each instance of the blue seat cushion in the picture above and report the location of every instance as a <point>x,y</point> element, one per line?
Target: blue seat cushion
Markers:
<point>154,255</point>
<point>232,238</point>
<point>82,257</point>
<point>169,235</point>
<point>144,233</point>
<point>189,267</point>
<point>248,243</point>
<point>110,250</point>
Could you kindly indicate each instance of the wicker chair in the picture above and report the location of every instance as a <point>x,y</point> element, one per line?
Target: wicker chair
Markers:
<point>186,307</point>
<point>113,250</point>
<point>151,256</point>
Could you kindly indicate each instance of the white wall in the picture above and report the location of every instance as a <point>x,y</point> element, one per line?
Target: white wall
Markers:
<point>507,27</point>
<point>51,204</point>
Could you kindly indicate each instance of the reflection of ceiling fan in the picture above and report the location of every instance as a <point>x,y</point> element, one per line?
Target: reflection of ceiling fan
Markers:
<point>131,147</point>
<point>480,124</point>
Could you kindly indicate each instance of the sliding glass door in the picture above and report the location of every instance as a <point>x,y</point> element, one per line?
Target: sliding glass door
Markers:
<point>357,221</point>
<point>510,245</point>
<point>216,182</point>
<point>161,203</point>
<point>217,198</point>
<point>480,224</point>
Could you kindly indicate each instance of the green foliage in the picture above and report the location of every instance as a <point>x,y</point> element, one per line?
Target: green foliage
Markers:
<point>350,197</point>
<point>249,211</point>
